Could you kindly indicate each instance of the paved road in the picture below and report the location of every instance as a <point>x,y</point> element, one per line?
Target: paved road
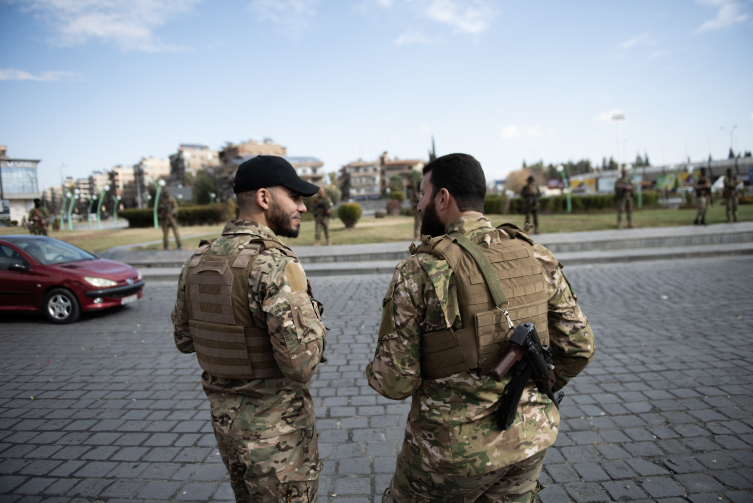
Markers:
<point>107,410</point>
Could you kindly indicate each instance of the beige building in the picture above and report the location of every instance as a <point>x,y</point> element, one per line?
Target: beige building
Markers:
<point>308,168</point>
<point>399,167</point>
<point>360,180</point>
<point>123,184</point>
<point>192,158</point>
<point>231,152</point>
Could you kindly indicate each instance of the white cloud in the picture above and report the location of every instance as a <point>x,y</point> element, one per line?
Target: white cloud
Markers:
<point>514,132</point>
<point>642,39</point>
<point>13,74</point>
<point>607,116</point>
<point>291,16</point>
<point>464,17</point>
<point>413,37</point>
<point>729,13</point>
<point>127,23</point>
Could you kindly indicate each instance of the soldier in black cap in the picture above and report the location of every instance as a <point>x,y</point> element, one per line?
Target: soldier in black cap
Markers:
<point>246,309</point>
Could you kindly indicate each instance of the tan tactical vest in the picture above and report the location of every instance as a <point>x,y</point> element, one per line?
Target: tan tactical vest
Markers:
<point>226,341</point>
<point>480,343</point>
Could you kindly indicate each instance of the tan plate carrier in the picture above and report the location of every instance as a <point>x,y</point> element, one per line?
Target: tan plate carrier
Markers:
<point>226,341</point>
<point>501,272</point>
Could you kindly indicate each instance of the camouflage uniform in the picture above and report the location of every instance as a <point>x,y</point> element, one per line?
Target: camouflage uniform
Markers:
<point>322,212</point>
<point>702,188</point>
<point>531,196</point>
<point>38,221</point>
<point>265,428</point>
<point>168,218</point>
<point>623,191</point>
<point>453,448</point>
<point>730,197</point>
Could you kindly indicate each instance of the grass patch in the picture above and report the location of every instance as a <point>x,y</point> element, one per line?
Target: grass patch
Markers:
<point>382,230</point>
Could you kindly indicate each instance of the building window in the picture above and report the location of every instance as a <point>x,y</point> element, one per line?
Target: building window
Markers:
<point>19,180</point>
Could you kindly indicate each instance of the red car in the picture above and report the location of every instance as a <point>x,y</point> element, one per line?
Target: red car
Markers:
<point>39,273</point>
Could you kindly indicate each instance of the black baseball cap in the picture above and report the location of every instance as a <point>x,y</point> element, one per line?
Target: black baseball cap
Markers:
<point>265,171</point>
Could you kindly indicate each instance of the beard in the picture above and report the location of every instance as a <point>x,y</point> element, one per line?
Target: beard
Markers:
<point>281,223</point>
<point>430,222</point>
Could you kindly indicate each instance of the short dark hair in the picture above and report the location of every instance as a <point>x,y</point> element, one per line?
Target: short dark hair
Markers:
<point>463,178</point>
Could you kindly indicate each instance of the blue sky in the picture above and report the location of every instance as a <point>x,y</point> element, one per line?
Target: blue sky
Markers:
<point>89,84</point>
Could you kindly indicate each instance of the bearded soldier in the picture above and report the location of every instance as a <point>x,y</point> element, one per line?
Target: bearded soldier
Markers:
<point>247,311</point>
<point>702,188</point>
<point>441,334</point>
<point>730,194</point>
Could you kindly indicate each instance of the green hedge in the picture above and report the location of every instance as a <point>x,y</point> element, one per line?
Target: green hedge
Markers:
<point>207,214</point>
<point>581,203</point>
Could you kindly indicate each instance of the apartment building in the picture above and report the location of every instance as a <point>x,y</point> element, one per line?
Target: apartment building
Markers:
<point>308,168</point>
<point>18,186</point>
<point>360,180</point>
<point>192,158</point>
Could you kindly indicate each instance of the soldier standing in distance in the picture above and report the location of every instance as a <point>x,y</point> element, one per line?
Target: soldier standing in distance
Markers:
<point>245,307</point>
<point>453,449</point>
<point>38,216</point>
<point>623,191</point>
<point>531,194</point>
<point>730,195</point>
<point>702,188</point>
<point>415,198</point>
<point>322,212</point>
<point>168,218</point>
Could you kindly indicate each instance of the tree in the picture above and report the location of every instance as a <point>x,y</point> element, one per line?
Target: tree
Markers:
<point>332,177</point>
<point>731,153</point>
<point>433,151</point>
<point>645,159</point>
<point>203,186</point>
<point>396,182</point>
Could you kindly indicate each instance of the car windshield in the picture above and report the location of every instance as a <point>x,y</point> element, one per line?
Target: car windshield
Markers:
<point>50,251</point>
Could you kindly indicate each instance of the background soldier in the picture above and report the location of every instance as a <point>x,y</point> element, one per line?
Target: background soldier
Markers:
<point>260,351</point>
<point>703,197</point>
<point>168,218</point>
<point>453,449</point>
<point>530,194</point>
<point>415,198</point>
<point>38,216</point>
<point>322,212</point>
<point>623,191</point>
<point>730,195</point>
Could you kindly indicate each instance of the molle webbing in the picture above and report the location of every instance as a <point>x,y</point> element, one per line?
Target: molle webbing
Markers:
<point>226,340</point>
<point>508,263</point>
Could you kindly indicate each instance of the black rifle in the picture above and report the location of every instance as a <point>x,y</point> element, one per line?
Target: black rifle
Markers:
<point>531,360</point>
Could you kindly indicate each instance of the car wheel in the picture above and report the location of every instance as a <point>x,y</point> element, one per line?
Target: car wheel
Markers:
<point>61,306</point>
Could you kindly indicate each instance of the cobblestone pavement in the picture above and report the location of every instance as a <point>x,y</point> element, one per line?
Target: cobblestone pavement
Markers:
<point>106,409</point>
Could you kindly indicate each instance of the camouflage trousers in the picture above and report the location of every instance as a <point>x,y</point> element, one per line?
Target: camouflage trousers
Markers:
<point>282,469</point>
<point>517,483</point>
<point>166,224</point>
<point>625,205</point>
<point>730,204</point>
<point>321,224</point>
<point>703,205</point>
<point>532,216</point>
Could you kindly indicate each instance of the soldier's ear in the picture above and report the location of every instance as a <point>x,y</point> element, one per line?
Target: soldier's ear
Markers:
<point>263,198</point>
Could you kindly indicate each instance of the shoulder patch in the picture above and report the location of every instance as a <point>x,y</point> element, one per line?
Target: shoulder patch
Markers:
<point>295,276</point>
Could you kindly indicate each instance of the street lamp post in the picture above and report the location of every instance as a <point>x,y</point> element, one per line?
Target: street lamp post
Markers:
<point>159,186</point>
<point>70,208</point>
<point>62,208</point>
<point>212,195</point>
<point>562,170</point>
<point>116,203</point>
<point>731,131</point>
<point>102,192</point>
<point>618,117</point>
<point>88,215</point>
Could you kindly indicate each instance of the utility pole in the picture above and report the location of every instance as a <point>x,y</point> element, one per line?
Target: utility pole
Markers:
<point>617,117</point>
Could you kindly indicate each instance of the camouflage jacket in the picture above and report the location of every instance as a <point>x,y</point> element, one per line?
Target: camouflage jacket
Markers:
<point>452,423</point>
<point>322,207</point>
<point>730,186</point>
<point>623,187</point>
<point>702,186</point>
<point>269,407</point>
<point>167,207</point>
<point>531,196</point>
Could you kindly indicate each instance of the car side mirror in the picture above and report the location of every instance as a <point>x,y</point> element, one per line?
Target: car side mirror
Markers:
<point>18,267</point>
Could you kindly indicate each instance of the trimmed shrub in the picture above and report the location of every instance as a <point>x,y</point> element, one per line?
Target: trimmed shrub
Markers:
<point>582,203</point>
<point>379,214</point>
<point>349,213</point>
<point>407,212</point>
<point>398,195</point>
<point>207,214</point>
<point>393,207</point>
